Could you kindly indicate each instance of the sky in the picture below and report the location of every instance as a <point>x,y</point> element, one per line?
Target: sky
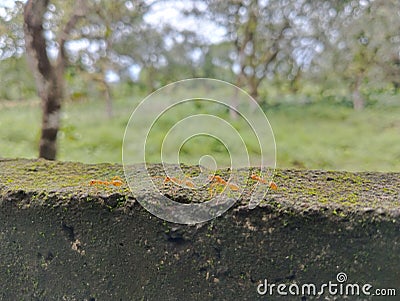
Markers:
<point>171,13</point>
<point>5,4</point>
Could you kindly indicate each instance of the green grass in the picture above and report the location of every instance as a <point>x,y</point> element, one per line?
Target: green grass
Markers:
<point>321,135</point>
<point>328,136</point>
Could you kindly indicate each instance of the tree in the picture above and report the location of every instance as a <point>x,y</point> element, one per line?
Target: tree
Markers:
<point>163,53</point>
<point>185,55</point>
<point>110,24</point>
<point>362,47</point>
<point>272,38</point>
<point>254,36</point>
<point>48,74</point>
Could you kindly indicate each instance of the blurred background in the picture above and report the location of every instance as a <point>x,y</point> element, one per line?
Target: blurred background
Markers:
<point>326,73</point>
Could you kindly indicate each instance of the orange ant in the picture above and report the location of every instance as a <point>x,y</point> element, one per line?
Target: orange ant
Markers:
<point>218,180</point>
<point>174,180</point>
<point>272,185</point>
<point>184,182</point>
<point>115,181</point>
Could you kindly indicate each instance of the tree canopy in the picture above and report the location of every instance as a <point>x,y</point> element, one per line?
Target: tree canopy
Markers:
<point>251,43</point>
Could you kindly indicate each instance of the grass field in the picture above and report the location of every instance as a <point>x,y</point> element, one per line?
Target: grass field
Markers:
<point>323,135</point>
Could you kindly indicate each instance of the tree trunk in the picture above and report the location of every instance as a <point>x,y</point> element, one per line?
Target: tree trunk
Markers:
<point>358,100</point>
<point>105,89</point>
<point>253,87</point>
<point>49,81</point>
<point>150,79</point>
<point>49,78</point>
<point>109,102</point>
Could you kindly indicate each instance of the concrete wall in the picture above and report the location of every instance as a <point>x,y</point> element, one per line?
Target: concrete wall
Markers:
<point>75,243</point>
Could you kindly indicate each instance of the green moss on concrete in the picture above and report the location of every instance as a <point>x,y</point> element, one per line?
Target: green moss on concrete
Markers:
<point>49,183</point>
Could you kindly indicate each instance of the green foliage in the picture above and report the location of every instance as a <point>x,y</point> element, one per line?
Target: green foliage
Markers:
<point>333,136</point>
<point>306,69</point>
<point>318,135</point>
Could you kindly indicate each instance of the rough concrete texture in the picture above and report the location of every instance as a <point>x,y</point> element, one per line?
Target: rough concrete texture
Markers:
<point>61,239</point>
